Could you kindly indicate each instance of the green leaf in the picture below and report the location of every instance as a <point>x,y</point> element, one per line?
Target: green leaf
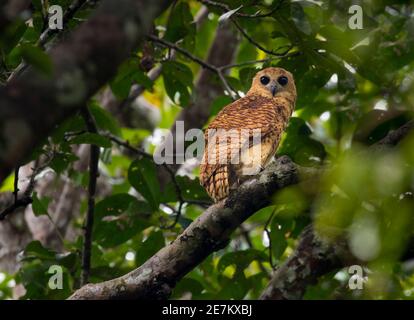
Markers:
<point>300,19</point>
<point>299,146</point>
<point>187,285</point>
<point>219,103</point>
<point>73,124</point>
<point>178,78</point>
<point>181,26</point>
<point>142,175</point>
<point>128,74</point>
<point>262,215</point>
<point>149,247</point>
<point>118,218</point>
<point>279,228</point>
<point>241,259</point>
<point>61,161</point>
<point>227,15</point>
<point>40,205</point>
<point>11,36</point>
<point>104,120</point>
<point>68,260</point>
<point>246,75</point>
<point>35,250</point>
<point>92,138</point>
<point>37,58</point>
<point>190,190</point>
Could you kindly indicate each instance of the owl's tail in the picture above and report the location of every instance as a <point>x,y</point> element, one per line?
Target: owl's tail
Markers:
<point>217,184</point>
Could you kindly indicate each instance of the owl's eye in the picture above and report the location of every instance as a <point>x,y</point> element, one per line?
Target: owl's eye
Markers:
<point>264,80</point>
<point>282,80</point>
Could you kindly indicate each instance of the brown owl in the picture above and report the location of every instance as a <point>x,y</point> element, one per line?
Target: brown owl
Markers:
<point>244,136</point>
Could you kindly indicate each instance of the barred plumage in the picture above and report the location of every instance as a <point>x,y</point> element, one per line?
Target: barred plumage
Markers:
<point>266,107</point>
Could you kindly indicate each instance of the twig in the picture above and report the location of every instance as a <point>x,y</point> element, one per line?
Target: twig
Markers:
<point>156,278</point>
<point>127,145</point>
<point>36,170</point>
<point>266,230</point>
<point>20,203</point>
<point>59,234</point>
<point>16,183</point>
<point>239,14</point>
<point>256,44</point>
<point>137,90</point>
<point>184,52</point>
<point>178,191</point>
<point>45,36</point>
<point>246,63</point>
<point>226,8</point>
<point>93,176</point>
<point>140,152</point>
<point>26,199</point>
<point>179,196</point>
<point>69,14</point>
<point>246,236</point>
<point>155,72</point>
<point>202,63</point>
<point>220,70</point>
<point>310,260</point>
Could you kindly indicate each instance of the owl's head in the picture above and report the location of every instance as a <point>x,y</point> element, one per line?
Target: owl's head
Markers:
<point>274,82</point>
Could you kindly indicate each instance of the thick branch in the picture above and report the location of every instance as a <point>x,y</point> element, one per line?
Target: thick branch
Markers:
<point>32,105</point>
<point>210,232</point>
<point>314,257</point>
<point>157,276</point>
<point>394,136</point>
<point>311,259</point>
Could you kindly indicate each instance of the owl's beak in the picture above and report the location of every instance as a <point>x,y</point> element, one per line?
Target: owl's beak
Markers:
<point>273,89</point>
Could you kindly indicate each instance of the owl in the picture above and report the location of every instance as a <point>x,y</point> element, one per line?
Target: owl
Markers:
<point>244,136</point>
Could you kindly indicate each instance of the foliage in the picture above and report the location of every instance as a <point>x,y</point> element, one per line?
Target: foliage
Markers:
<point>354,86</point>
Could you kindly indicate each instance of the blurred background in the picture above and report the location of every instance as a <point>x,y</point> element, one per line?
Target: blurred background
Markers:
<point>354,72</point>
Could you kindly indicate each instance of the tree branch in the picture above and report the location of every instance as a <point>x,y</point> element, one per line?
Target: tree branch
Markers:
<point>258,45</point>
<point>93,177</point>
<point>311,259</point>
<point>314,257</point>
<point>80,68</point>
<point>26,197</point>
<point>45,36</point>
<point>156,278</point>
<point>169,170</point>
<point>225,7</point>
<point>206,89</point>
<point>202,63</point>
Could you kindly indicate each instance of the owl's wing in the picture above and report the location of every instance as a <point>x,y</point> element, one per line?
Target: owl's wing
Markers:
<point>246,121</point>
